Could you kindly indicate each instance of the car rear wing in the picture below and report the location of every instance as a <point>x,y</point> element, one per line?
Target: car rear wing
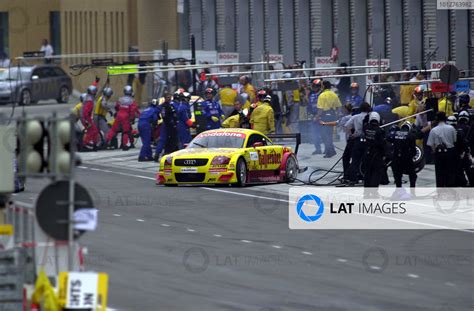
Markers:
<point>285,137</point>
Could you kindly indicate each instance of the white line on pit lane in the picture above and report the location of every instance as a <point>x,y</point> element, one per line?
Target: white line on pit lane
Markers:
<point>341,260</point>
<point>140,220</point>
<point>413,276</point>
<point>282,200</point>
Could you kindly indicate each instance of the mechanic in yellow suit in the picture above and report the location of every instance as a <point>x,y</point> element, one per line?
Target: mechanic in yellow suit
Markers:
<point>103,105</point>
<point>262,117</point>
<point>409,109</point>
<point>77,110</point>
<point>328,104</point>
<point>226,96</point>
<point>446,106</point>
<point>406,90</point>
<point>247,88</point>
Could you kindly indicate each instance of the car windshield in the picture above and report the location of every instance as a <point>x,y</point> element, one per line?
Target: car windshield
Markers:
<point>14,74</point>
<point>218,140</point>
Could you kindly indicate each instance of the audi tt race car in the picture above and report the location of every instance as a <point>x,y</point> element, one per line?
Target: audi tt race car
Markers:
<point>230,156</point>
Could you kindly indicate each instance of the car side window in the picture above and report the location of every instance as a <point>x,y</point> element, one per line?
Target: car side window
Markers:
<point>58,71</point>
<point>49,72</point>
<point>254,138</point>
<point>37,72</point>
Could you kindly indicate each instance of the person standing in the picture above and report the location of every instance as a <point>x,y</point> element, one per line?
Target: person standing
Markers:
<point>354,98</point>
<point>442,140</point>
<point>404,150</point>
<point>212,110</point>
<point>328,104</point>
<point>355,127</point>
<point>126,110</point>
<point>91,138</point>
<point>146,124</point>
<point>247,88</point>
<point>184,120</point>
<point>313,112</point>
<point>101,109</point>
<point>48,51</point>
<point>376,149</point>
<point>227,96</point>
<point>168,141</point>
<point>262,117</point>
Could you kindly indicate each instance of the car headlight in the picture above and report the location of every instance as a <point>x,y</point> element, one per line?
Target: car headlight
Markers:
<point>169,161</point>
<point>220,160</point>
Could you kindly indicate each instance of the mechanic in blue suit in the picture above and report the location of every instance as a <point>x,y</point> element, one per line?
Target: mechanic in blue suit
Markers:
<point>169,128</point>
<point>146,123</point>
<point>184,119</point>
<point>212,110</point>
<point>355,99</point>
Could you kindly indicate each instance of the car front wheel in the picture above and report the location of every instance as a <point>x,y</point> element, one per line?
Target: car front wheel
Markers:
<point>241,173</point>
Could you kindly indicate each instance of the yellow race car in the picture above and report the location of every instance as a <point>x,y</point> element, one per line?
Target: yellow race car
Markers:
<point>230,156</point>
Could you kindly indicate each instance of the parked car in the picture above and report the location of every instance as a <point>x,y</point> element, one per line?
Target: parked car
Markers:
<point>28,84</point>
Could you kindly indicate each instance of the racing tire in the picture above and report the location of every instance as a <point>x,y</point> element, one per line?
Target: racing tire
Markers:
<point>170,185</point>
<point>241,171</point>
<point>63,95</point>
<point>291,169</point>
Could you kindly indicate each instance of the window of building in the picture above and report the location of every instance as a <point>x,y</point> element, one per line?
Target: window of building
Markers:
<point>55,31</point>
<point>4,45</point>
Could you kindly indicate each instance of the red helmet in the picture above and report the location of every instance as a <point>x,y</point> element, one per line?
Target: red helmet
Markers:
<point>261,94</point>
<point>209,90</point>
<point>317,82</point>
<point>418,90</point>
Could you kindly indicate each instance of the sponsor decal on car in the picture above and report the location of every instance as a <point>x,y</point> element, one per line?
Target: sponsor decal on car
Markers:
<point>265,158</point>
<point>224,134</point>
<point>189,170</point>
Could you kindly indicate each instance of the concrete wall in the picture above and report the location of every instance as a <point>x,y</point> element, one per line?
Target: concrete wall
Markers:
<point>28,23</point>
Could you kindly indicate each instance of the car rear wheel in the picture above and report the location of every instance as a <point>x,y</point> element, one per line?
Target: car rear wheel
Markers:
<point>25,97</point>
<point>241,173</point>
<point>63,95</point>
<point>291,170</point>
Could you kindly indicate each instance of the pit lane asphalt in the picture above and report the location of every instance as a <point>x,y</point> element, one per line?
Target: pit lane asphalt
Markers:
<point>191,248</point>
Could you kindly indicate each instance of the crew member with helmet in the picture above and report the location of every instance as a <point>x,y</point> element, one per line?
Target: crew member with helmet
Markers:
<point>212,111</point>
<point>262,118</point>
<point>168,141</point>
<point>146,124</point>
<point>101,109</point>
<point>374,164</point>
<point>91,137</point>
<point>354,99</point>
<point>127,110</point>
<point>403,140</point>
<point>442,139</point>
<point>184,119</point>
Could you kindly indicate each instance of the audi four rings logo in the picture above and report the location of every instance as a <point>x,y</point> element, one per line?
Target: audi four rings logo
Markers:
<point>189,162</point>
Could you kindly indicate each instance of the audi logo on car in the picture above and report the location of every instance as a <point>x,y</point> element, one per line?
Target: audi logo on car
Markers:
<point>189,162</point>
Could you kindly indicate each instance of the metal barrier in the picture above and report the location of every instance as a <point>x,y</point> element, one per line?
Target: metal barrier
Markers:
<point>22,217</point>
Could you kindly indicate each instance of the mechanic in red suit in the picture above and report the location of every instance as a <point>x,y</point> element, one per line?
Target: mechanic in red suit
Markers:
<point>91,137</point>
<point>127,111</point>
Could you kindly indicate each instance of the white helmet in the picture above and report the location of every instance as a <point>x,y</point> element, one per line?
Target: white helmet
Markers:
<point>451,120</point>
<point>463,115</point>
<point>374,116</point>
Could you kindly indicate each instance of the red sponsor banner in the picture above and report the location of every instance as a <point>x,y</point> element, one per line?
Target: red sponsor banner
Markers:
<point>441,87</point>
